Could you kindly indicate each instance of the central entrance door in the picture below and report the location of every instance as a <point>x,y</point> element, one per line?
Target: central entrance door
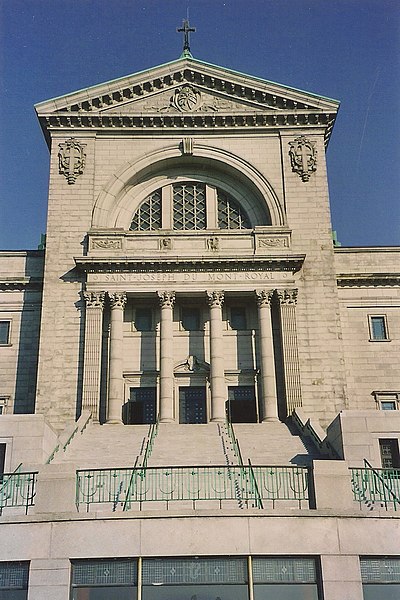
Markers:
<point>192,404</point>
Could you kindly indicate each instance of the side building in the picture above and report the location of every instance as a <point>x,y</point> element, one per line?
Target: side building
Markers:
<point>211,409</point>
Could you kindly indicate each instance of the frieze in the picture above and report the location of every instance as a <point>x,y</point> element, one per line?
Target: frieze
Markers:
<point>106,243</point>
<point>186,277</point>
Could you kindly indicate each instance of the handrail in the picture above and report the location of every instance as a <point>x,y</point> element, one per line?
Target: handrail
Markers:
<point>234,441</point>
<point>80,425</point>
<point>371,485</point>
<point>376,473</point>
<point>135,486</point>
<point>19,489</point>
<point>258,500</point>
<point>153,430</point>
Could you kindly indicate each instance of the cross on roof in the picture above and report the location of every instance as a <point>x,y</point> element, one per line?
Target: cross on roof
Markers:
<point>186,29</point>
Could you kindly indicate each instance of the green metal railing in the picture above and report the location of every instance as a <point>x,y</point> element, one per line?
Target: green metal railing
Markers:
<point>133,487</point>
<point>17,489</point>
<point>371,486</point>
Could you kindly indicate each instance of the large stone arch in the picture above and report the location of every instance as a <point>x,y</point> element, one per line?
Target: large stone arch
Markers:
<point>125,191</point>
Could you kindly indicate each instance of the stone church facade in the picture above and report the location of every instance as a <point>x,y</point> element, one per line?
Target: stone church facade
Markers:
<point>191,308</point>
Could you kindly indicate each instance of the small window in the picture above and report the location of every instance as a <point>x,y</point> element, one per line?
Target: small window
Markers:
<point>238,317</point>
<point>387,400</point>
<point>389,449</point>
<point>378,328</point>
<point>5,327</point>
<point>190,319</point>
<point>143,319</point>
<point>14,580</point>
<point>380,577</point>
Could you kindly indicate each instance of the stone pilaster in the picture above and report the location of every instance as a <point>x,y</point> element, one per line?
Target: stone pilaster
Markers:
<point>167,413</point>
<point>92,352</point>
<point>116,389</point>
<point>217,371</point>
<point>288,300</point>
<point>268,379</point>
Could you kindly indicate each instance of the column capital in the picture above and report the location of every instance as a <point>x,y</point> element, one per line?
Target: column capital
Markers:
<point>117,299</point>
<point>166,299</point>
<point>264,297</point>
<point>94,299</point>
<point>288,296</point>
<point>215,298</point>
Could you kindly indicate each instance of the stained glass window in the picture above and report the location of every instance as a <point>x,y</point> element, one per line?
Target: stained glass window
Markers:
<point>148,215</point>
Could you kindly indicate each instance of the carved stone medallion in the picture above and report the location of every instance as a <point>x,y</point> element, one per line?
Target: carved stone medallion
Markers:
<point>186,99</point>
<point>71,159</point>
<point>303,157</point>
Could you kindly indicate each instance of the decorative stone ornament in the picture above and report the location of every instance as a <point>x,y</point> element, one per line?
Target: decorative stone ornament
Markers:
<point>71,159</point>
<point>186,99</point>
<point>303,157</point>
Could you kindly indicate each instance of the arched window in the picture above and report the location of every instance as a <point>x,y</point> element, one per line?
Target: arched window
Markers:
<point>193,206</point>
<point>148,215</point>
<point>230,213</point>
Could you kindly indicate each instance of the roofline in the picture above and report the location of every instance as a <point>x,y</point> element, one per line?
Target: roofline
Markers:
<point>186,60</point>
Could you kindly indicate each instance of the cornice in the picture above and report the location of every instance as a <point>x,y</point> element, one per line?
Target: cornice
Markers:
<point>292,263</point>
<point>368,280</point>
<point>20,284</point>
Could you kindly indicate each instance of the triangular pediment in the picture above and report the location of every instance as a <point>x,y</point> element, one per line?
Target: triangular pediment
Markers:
<point>187,93</point>
<point>215,83</point>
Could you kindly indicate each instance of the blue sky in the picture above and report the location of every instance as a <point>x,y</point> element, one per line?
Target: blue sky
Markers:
<point>344,49</point>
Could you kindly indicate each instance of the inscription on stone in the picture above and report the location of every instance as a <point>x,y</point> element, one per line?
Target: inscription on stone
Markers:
<point>195,277</point>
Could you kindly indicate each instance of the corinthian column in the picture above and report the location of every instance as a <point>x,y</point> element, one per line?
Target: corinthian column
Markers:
<point>288,301</point>
<point>167,300</point>
<point>92,352</point>
<point>269,398</point>
<point>217,371</point>
<point>116,388</point>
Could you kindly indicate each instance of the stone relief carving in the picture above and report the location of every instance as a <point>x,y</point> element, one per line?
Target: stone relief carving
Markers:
<point>213,243</point>
<point>106,243</point>
<point>186,99</point>
<point>287,296</point>
<point>165,243</point>
<point>303,157</point>
<point>264,297</point>
<point>274,242</point>
<point>71,159</point>
<point>94,299</point>
<point>215,298</point>
<point>166,299</point>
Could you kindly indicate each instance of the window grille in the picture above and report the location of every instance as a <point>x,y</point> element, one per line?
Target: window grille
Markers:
<point>194,571</point>
<point>148,215</point>
<point>230,213</point>
<point>380,570</point>
<point>189,206</point>
<point>279,570</point>
<point>104,572</point>
<point>14,575</point>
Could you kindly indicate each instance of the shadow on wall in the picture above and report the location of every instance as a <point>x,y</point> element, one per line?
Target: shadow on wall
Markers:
<point>27,361</point>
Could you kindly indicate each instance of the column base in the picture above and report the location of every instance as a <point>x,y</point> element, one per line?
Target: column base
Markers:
<point>217,420</point>
<point>114,422</point>
<point>270,420</point>
<point>167,420</point>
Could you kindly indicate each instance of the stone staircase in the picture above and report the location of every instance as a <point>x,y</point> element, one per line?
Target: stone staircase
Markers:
<point>187,445</point>
<point>272,444</point>
<point>104,446</point>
